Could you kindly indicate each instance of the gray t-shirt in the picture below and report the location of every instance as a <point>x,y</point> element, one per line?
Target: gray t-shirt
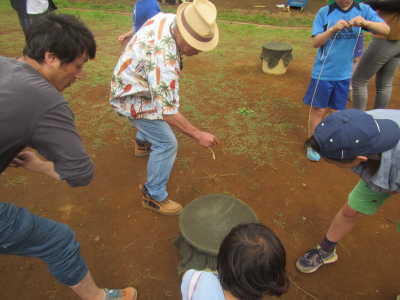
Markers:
<point>34,114</point>
<point>387,178</point>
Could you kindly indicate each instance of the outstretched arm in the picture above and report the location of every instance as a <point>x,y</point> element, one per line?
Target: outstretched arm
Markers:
<point>179,121</point>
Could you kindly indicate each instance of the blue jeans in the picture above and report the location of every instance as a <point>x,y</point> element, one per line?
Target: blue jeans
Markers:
<point>25,234</point>
<point>162,154</point>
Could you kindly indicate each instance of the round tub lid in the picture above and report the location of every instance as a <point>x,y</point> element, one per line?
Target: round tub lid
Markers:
<point>208,219</point>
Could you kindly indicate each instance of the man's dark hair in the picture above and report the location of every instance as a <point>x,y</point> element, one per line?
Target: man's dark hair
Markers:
<point>63,35</point>
<point>251,263</point>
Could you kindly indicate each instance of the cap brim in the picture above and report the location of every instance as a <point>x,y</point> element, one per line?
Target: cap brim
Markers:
<point>196,44</point>
<point>387,139</point>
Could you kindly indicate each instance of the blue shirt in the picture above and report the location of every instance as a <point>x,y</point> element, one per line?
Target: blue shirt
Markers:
<point>335,57</point>
<point>142,11</point>
<point>208,287</point>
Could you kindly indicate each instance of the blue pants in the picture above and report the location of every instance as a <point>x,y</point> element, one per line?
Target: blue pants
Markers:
<point>23,20</point>
<point>162,154</point>
<point>25,234</point>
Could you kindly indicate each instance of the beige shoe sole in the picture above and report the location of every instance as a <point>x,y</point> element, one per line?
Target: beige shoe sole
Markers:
<point>164,213</point>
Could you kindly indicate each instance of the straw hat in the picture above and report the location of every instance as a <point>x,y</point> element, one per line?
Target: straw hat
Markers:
<point>196,24</point>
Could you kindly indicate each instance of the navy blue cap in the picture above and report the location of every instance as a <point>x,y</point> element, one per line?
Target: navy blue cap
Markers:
<point>346,134</point>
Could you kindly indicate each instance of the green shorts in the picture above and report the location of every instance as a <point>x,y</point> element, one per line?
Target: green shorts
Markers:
<point>364,200</point>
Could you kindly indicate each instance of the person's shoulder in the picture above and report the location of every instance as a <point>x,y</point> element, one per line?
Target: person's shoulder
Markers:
<point>9,64</point>
<point>209,287</point>
<point>384,113</point>
<point>164,18</point>
<point>5,60</point>
<point>205,277</point>
<point>154,3</point>
<point>23,77</point>
<point>326,6</point>
<point>363,7</point>
<point>28,81</point>
<point>209,280</point>
<point>189,273</point>
<point>166,15</point>
<point>323,10</point>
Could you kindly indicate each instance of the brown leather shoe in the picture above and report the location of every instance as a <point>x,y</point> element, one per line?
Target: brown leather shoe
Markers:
<point>166,207</point>
<point>141,149</point>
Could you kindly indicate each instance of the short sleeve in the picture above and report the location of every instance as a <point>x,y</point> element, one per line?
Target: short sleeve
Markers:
<point>371,14</point>
<point>208,288</point>
<point>319,24</point>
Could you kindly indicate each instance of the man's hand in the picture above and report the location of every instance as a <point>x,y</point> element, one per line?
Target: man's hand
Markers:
<point>31,162</point>
<point>28,160</point>
<point>206,139</point>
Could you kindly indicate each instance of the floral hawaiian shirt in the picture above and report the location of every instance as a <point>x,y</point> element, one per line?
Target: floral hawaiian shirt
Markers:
<point>145,83</point>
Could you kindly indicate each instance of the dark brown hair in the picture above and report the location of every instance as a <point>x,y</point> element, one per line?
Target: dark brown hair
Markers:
<point>251,263</point>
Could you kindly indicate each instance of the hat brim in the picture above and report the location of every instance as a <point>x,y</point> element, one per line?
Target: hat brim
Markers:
<point>196,44</point>
<point>387,139</point>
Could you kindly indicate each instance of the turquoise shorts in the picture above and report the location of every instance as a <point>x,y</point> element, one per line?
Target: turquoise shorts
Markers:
<point>364,200</point>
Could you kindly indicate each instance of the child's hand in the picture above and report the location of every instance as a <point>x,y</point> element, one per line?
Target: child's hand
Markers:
<point>340,25</point>
<point>358,21</point>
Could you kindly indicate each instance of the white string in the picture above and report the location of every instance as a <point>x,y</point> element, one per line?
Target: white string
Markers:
<point>358,36</point>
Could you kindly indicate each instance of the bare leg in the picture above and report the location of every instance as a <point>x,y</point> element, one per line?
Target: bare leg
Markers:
<point>342,223</point>
<point>316,116</point>
<point>88,290</point>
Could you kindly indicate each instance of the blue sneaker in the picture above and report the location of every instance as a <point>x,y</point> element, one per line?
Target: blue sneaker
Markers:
<point>128,293</point>
<point>312,154</point>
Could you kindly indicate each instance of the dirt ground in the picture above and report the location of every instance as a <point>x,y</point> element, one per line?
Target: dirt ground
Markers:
<point>124,244</point>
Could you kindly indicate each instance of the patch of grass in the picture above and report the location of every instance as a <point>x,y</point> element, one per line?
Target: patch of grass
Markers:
<point>245,111</point>
<point>233,15</point>
<point>277,19</point>
<point>119,5</point>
